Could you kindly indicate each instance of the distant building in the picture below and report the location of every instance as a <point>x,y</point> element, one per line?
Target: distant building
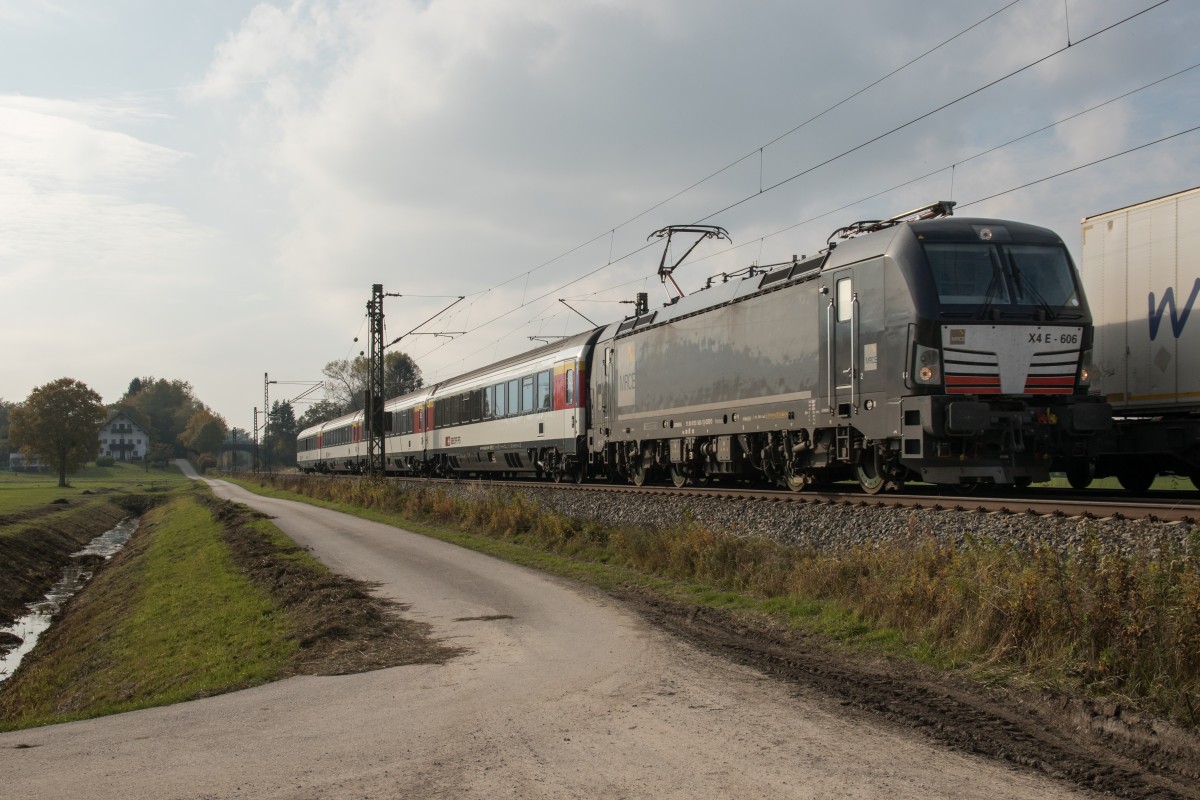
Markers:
<point>18,463</point>
<point>123,439</point>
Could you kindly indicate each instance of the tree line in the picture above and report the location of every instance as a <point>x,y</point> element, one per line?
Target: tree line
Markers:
<point>60,421</point>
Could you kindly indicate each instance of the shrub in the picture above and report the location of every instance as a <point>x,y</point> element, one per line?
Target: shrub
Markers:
<point>105,461</point>
<point>1123,623</point>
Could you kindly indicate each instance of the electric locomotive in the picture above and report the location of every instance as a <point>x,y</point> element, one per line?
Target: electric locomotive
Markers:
<point>950,350</point>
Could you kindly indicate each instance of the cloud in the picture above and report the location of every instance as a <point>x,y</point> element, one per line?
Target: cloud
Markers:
<point>54,144</point>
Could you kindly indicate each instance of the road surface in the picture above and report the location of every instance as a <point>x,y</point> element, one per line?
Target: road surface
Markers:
<point>562,694</point>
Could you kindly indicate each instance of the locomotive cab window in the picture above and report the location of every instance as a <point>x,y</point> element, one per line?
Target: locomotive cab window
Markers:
<point>967,273</point>
<point>1042,275</point>
<point>991,275</point>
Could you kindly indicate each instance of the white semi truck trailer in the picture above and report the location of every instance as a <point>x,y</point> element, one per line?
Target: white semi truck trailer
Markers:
<point>1141,272</point>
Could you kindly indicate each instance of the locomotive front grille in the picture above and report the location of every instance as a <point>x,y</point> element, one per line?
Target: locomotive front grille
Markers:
<point>1010,360</point>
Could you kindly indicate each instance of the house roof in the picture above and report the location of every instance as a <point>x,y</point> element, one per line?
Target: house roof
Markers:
<point>116,415</point>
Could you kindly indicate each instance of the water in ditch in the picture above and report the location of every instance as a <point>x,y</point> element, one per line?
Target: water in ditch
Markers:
<point>28,628</point>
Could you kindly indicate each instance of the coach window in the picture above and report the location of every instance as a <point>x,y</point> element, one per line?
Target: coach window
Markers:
<point>489,402</point>
<point>845,298</point>
<point>543,390</point>
<point>501,406</point>
<point>570,387</point>
<point>514,397</point>
<point>527,398</point>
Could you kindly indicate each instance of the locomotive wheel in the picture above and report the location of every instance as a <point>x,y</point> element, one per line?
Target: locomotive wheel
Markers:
<point>1136,479</point>
<point>870,479</point>
<point>1080,474</point>
<point>795,481</point>
<point>637,475</point>
<point>678,476</point>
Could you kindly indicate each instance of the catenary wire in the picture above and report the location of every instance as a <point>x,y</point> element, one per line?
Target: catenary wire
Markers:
<point>808,170</point>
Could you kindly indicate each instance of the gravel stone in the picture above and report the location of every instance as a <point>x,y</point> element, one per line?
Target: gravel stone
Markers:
<point>824,526</point>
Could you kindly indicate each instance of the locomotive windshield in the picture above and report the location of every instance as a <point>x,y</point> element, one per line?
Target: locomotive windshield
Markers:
<point>987,275</point>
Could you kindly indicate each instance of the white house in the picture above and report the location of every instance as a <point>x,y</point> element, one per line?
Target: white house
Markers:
<point>123,439</point>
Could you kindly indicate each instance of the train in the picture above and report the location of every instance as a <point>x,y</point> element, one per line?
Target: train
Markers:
<point>1141,267</point>
<point>924,346</point>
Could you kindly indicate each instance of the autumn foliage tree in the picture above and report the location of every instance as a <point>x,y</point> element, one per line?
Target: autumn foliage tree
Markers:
<point>164,408</point>
<point>60,423</point>
<point>205,432</point>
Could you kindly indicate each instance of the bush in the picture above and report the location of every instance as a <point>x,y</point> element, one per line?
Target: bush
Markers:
<point>206,462</point>
<point>105,461</point>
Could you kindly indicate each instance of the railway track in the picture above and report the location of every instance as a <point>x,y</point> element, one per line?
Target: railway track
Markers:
<point>1163,506</point>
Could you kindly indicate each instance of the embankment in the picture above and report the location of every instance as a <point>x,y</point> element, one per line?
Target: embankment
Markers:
<point>36,543</point>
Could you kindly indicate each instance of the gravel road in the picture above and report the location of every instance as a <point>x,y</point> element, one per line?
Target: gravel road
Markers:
<point>563,693</point>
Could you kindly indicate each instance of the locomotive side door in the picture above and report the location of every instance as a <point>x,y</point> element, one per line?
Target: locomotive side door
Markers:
<point>601,377</point>
<point>855,327</point>
<point>841,368</point>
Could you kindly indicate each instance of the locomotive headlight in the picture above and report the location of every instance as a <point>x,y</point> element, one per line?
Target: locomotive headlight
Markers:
<point>1085,369</point>
<point>927,363</point>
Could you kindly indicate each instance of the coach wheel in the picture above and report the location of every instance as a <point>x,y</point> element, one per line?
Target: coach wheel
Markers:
<point>1135,478</point>
<point>1080,474</point>
<point>678,476</point>
<point>1195,476</point>
<point>1023,482</point>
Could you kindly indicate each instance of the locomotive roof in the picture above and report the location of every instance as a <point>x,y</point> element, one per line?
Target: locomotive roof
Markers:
<point>849,251</point>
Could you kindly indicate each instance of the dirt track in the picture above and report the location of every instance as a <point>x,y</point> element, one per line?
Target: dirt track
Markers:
<point>565,693</point>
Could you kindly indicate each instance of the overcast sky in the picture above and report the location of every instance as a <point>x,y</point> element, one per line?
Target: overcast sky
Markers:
<point>208,190</point>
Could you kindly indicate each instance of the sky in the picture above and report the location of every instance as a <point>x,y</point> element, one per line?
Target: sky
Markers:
<point>207,191</point>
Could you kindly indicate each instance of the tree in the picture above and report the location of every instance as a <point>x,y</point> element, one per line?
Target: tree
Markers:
<point>6,409</point>
<point>281,435</point>
<point>318,412</point>
<point>60,422</point>
<point>167,407</point>
<point>159,455</point>
<point>205,432</point>
<point>346,382</point>
<point>401,374</point>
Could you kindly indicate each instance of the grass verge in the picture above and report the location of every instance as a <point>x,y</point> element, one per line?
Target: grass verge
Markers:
<point>206,598</point>
<point>24,493</point>
<point>1093,621</point>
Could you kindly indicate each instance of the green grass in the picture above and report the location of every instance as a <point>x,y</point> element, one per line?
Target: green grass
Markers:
<point>1098,622</point>
<point>20,491</point>
<point>520,533</point>
<point>179,621</point>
